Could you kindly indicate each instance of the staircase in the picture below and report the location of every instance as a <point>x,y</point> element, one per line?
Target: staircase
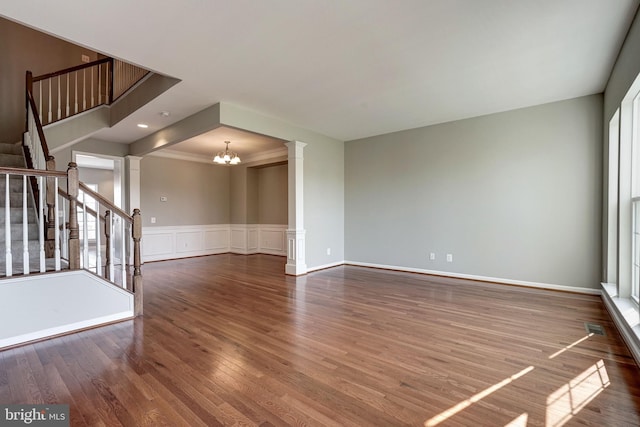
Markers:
<point>11,156</point>
<point>41,216</point>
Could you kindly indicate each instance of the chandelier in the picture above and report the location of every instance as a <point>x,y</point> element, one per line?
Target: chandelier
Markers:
<point>227,157</point>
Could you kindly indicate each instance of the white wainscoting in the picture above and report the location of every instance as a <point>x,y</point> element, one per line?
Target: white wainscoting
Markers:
<point>161,243</point>
<point>273,239</point>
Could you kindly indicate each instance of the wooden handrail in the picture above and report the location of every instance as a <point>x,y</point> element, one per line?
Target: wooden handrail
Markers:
<point>105,202</point>
<point>135,285</point>
<point>32,172</point>
<point>64,194</point>
<point>71,69</point>
<point>43,139</point>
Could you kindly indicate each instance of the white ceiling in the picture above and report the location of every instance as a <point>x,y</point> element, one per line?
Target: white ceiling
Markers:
<point>347,69</point>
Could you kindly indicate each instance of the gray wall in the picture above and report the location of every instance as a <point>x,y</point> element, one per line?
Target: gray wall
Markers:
<point>624,72</point>
<point>324,202</point>
<point>23,49</point>
<point>197,193</point>
<point>238,194</point>
<point>272,195</point>
<point>258,194</point>
<point>94,146</point>
<point>204,194</point>
<point>514,195</point>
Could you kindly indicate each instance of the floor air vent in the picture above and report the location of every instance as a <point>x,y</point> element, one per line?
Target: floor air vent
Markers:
<point>592,328</point>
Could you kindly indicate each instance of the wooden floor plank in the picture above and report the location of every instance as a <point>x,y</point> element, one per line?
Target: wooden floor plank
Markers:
<point>231,340</point>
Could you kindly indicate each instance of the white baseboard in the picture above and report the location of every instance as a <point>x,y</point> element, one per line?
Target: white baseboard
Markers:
<point>498,280</point>
<point>325,266</point>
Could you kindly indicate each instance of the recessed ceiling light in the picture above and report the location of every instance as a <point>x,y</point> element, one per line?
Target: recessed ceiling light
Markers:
<point>165,113</point>
<point>142,125</point>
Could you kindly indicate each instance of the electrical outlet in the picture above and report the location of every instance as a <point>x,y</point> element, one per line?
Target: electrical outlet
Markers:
<point>153,220</point>
<point>432,256</point>
<point>85,58</point>
<point>449,257</point>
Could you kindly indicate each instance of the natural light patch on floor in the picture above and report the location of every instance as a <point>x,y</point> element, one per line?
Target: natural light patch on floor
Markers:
<point>569,399</point>
<point>520,421</point>
<point>559,352</point>
<point>475,398</point>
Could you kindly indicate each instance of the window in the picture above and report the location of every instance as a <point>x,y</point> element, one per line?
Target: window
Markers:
<point>612,206</point>
<point>635,197</point>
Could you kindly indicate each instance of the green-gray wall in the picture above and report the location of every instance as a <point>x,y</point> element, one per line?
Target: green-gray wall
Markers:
<point>272,194</point>
<point>204,194</point>
<point>514,195</point>
<point>625,71</point>
<point>197,193</point>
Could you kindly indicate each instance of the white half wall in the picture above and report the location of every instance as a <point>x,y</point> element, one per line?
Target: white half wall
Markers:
<point>40,306</point>
<point>171,242</point>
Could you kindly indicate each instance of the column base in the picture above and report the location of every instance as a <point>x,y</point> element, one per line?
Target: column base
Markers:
<point>295,269</point>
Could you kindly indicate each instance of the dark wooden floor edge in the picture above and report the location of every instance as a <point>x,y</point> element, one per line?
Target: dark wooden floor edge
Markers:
<point>75,331</point>
<point>202,256</point>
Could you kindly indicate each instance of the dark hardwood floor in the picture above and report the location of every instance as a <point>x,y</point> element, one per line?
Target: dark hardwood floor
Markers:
<point>231,340</point>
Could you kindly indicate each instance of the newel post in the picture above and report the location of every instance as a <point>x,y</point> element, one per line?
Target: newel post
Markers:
<point>136,234</point>
<point>74,233</point>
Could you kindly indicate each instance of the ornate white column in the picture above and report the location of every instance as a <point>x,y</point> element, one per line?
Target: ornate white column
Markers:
<point>296,264</point>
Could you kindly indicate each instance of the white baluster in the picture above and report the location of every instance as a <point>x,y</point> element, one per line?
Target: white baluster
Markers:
<point>85,232</point>
<point>68,95</point>
<point>59,100</point>
<point>123,255</point>
<point>43,265</point>
<point>65,241</point>
<point>99,87</point>
<point>7,229</point>
<point>111,248</point>
<point>40,101</point>
<point>92,88</point>
<point>84,89</point>
<point>50,109</point>
<point>57,228</point>
<point>98,241</point>
<point>76,91</point>
<point>25,228</point>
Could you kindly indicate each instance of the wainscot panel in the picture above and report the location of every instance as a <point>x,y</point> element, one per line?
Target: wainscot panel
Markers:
<point>170,242</point>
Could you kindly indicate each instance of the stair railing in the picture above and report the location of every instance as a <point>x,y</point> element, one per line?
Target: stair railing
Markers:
<point>69,211</point>
<point>13,177</point>
<point>38,157</point>
<point>74,90</point>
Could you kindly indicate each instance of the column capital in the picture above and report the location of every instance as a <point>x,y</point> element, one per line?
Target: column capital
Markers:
<point>295,149</point>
